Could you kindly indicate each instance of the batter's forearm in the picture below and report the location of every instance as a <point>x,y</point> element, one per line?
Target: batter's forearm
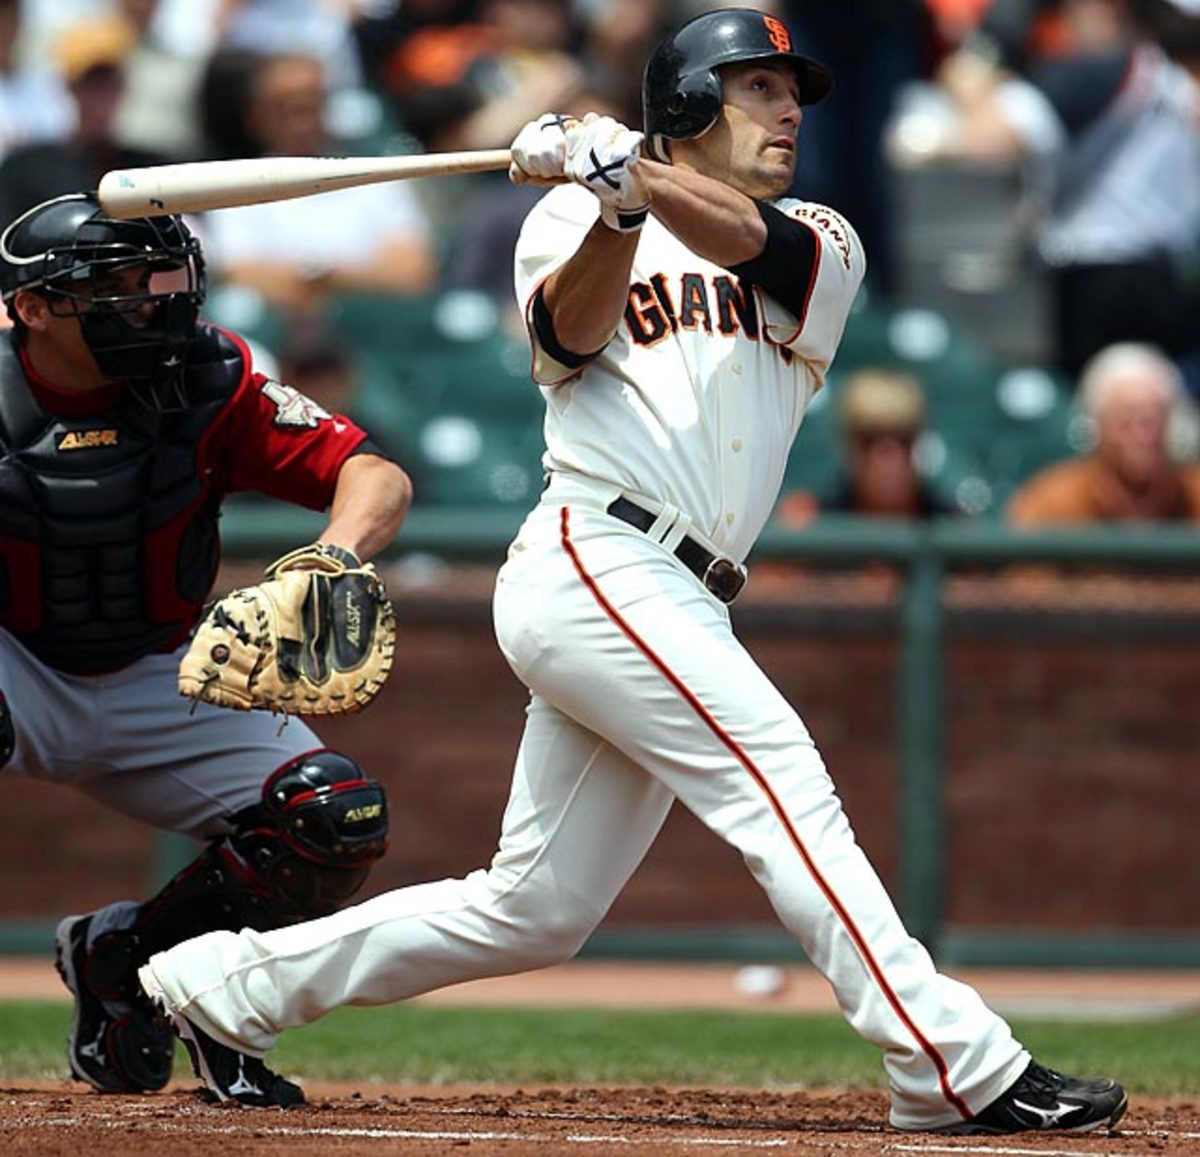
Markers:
<point>710,218</point>
<point>372,497</point>
<point>586,296</point>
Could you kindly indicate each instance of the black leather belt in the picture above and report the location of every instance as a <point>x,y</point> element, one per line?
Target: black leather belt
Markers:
<point>722,576</point>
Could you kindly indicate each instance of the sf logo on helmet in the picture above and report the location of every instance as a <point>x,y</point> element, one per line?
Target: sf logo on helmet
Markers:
<point>778,34</point>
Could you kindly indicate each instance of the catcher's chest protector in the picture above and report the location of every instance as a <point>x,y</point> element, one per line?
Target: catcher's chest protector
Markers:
<point>105,517</point>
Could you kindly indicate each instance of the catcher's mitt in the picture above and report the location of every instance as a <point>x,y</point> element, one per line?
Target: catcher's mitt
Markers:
<point>315,638</point>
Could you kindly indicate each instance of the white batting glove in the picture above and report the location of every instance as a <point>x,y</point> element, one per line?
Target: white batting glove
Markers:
<point>602,155</point>
<point>540,150</point>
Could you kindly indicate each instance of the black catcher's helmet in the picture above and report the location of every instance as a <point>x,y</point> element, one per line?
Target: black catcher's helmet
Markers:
<point>681,91</point>
<point>71,253</point>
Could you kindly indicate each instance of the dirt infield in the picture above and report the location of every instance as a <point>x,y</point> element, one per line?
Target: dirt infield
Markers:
<point>371,1120</point>
<point>417,1122</point>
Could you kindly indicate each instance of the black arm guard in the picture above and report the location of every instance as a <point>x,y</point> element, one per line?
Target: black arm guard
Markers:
<point>543,328</point>
<point>785,266</point>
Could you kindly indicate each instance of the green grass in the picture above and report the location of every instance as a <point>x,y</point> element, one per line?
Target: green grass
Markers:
<point>418,1043</point>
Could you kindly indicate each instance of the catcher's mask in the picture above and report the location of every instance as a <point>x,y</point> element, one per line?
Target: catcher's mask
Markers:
<point>681,89</point>
<point>136,286</point>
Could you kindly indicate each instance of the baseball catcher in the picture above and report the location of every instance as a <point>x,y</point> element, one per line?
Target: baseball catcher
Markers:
<point>126,421</point>
<point>316,637</point>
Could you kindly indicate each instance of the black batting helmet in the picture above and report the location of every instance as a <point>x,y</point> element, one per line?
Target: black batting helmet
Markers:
<point>681,92</point>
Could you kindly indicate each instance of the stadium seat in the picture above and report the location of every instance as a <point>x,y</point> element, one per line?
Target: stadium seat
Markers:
<point>989,425</point>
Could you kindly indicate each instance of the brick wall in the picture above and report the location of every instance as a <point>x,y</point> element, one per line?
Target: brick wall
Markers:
<point>1072,785</point>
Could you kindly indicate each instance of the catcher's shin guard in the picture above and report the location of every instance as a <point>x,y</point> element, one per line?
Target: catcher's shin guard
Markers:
<point>300,853</point>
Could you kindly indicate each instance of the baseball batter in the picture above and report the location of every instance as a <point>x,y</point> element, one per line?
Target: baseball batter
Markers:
<point>124,423</point>
<point>682,314</point>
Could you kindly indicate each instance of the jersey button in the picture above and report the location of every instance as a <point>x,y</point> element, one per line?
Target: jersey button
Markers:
<point>736,368</point>
<point>729,520</point>
<point>737,445</point>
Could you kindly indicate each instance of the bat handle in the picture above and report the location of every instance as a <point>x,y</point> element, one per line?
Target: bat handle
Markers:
<point>478,161</point>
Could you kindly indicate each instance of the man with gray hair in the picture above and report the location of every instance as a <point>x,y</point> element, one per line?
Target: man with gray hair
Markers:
<point>1132,397</point>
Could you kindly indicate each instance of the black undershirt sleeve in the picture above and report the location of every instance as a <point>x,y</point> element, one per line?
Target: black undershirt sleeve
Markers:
<point>785,266</point>
<point>543,328</point>
<point>366,446</point>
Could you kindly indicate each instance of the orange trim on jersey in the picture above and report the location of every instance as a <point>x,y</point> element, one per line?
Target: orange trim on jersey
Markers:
<point>637,311</point>
<point>802,320</point>
<point>735,749</point>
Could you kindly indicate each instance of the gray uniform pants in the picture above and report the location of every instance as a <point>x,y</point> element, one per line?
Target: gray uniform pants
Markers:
<point>131,742</point>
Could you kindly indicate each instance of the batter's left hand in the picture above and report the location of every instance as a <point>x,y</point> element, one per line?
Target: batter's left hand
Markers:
<point>540,151</point>
<point>602,155</point>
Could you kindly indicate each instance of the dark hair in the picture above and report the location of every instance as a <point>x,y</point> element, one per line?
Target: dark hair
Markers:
<point>1176,31</point>
<point>313,351</point>
<point>224,97</point>
<point>19,329</point>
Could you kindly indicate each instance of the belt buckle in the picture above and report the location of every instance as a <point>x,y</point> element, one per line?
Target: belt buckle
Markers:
<point>725,578</point>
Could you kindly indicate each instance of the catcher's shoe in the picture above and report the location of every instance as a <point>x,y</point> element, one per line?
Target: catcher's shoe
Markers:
<point>228,1075</point>
<point>116,1046</point>
<point>1041,1098</point>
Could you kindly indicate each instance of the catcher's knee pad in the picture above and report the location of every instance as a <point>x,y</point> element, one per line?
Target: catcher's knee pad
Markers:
<point>312,839</point>
<point>299,853</point>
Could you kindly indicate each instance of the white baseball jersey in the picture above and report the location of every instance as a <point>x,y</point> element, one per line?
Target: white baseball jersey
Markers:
<point>699,395</point>
<point>641,695</point>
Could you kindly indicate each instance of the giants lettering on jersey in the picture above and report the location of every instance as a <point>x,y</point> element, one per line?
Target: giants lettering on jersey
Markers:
<point>831,223</point>
<point>726,304</point>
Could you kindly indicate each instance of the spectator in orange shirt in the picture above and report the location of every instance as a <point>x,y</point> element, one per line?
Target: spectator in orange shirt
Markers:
<point>1142,423</point>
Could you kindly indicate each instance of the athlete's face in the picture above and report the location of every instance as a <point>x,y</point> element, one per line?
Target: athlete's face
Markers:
<point>126,289</point>
<point>752,147</point>
<point>55,337</point>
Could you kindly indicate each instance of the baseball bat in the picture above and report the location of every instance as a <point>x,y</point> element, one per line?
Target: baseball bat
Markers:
<point>193,186</point>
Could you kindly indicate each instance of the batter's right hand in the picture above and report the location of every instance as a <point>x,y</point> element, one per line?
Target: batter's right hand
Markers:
<point>540,151</point>
<point>602,155</point>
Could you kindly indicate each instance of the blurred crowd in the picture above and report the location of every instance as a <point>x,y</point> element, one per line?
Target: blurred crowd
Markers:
<point>1093,106</point>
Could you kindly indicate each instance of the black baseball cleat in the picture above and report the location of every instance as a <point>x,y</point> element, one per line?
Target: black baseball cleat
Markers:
<point>115,1045</point>
<point>228,1075</point>
<point>233,1076</point>
<point>1041,1098</point>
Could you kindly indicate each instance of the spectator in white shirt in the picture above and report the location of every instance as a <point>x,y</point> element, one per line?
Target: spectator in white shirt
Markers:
<point>372,239</point>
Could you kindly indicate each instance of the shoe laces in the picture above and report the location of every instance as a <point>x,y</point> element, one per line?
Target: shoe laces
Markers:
<point>1041,1082</point>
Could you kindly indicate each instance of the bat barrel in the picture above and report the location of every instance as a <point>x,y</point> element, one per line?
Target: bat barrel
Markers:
<point>196,186</point>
